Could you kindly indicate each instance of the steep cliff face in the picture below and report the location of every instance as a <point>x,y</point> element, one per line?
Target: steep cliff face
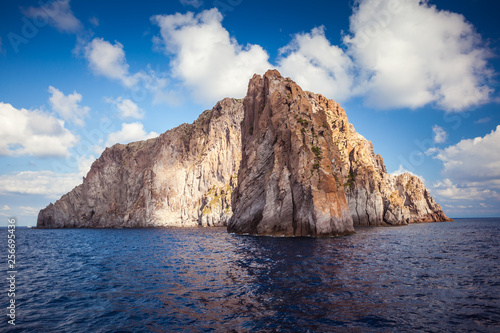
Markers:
<point>300,155</point>
<point>376,197</point>
<point>286,182</point>
<point>184,177</point>
<point>304,171</point>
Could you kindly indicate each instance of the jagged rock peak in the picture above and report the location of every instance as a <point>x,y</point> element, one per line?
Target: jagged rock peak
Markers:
<point>304,171</point>
<point>376,197</point>
<point>287,182</point>
<point>301,156</point>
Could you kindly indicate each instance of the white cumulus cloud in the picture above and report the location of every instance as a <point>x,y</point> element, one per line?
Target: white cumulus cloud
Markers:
<point>57,13</point>
<point>410,54</point>
<point>26,132</point>
<point>318,66</point>
<point>453,192</point>
<point>398,54</point>
<point>67,107</point>
<point>440,134</point>
<point>471,171</point>
<point>129,132</point>
<point>126,108</point>
<point>473,160</point>
<point>109,60</point>
<point>46,183</point>
<point>206,58</point>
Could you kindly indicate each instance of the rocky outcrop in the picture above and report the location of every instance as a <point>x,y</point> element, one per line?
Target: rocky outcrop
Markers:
<point>184,177</point>
<point>286,186</point>
<point>300,155</point>
<point>304,171</point>
<point>376,197</point>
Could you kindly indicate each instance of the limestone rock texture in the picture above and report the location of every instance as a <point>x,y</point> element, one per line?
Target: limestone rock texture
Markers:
<point>184,177</point>
<point>286,181</point>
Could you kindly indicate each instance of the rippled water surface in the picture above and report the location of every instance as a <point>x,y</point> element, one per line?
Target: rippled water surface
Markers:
<point>425,277</point>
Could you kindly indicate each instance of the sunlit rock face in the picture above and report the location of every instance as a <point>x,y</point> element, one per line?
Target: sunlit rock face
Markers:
<point>184,177</point>
<point>374,196</point>
<point>304,171</point>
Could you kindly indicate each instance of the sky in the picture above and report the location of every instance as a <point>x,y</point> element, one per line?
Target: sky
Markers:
<point>417,78</point>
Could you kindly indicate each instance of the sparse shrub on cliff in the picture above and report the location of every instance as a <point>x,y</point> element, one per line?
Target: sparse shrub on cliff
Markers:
<point>303,122</point>
<point>409,187</point>
<point>351,178</point>
<point>317,151</point>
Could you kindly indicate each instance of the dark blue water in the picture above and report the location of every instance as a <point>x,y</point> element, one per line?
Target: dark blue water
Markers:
<point>425,277</point>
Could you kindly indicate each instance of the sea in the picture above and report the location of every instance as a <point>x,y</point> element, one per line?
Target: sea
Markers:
<point>432,277</point>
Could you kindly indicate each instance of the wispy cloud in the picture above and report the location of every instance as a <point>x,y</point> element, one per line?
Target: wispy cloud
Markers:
<point>94,21</point>
<point>58,14</point>
<point>482,120</point>
<point>440,134</point>
<point>194,3</point>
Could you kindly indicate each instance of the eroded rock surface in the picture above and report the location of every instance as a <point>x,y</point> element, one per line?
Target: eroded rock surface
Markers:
<point>304,171</point>
<point>300,156</point>
<point>376,197</point>
<point>286,183</point>
<point>184,177</point>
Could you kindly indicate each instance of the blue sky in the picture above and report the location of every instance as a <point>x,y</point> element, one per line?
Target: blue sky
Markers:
<point>417,78</point>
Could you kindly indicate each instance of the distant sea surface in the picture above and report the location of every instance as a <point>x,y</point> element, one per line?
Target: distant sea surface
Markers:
<point>423,277</point>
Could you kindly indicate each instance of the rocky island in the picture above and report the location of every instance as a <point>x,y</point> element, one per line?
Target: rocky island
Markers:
<point>282,161</point>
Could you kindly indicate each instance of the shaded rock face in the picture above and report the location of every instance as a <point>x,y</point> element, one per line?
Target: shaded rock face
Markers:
<point>185,177</point>
<point>286,183</point>
<point>302,160</point>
